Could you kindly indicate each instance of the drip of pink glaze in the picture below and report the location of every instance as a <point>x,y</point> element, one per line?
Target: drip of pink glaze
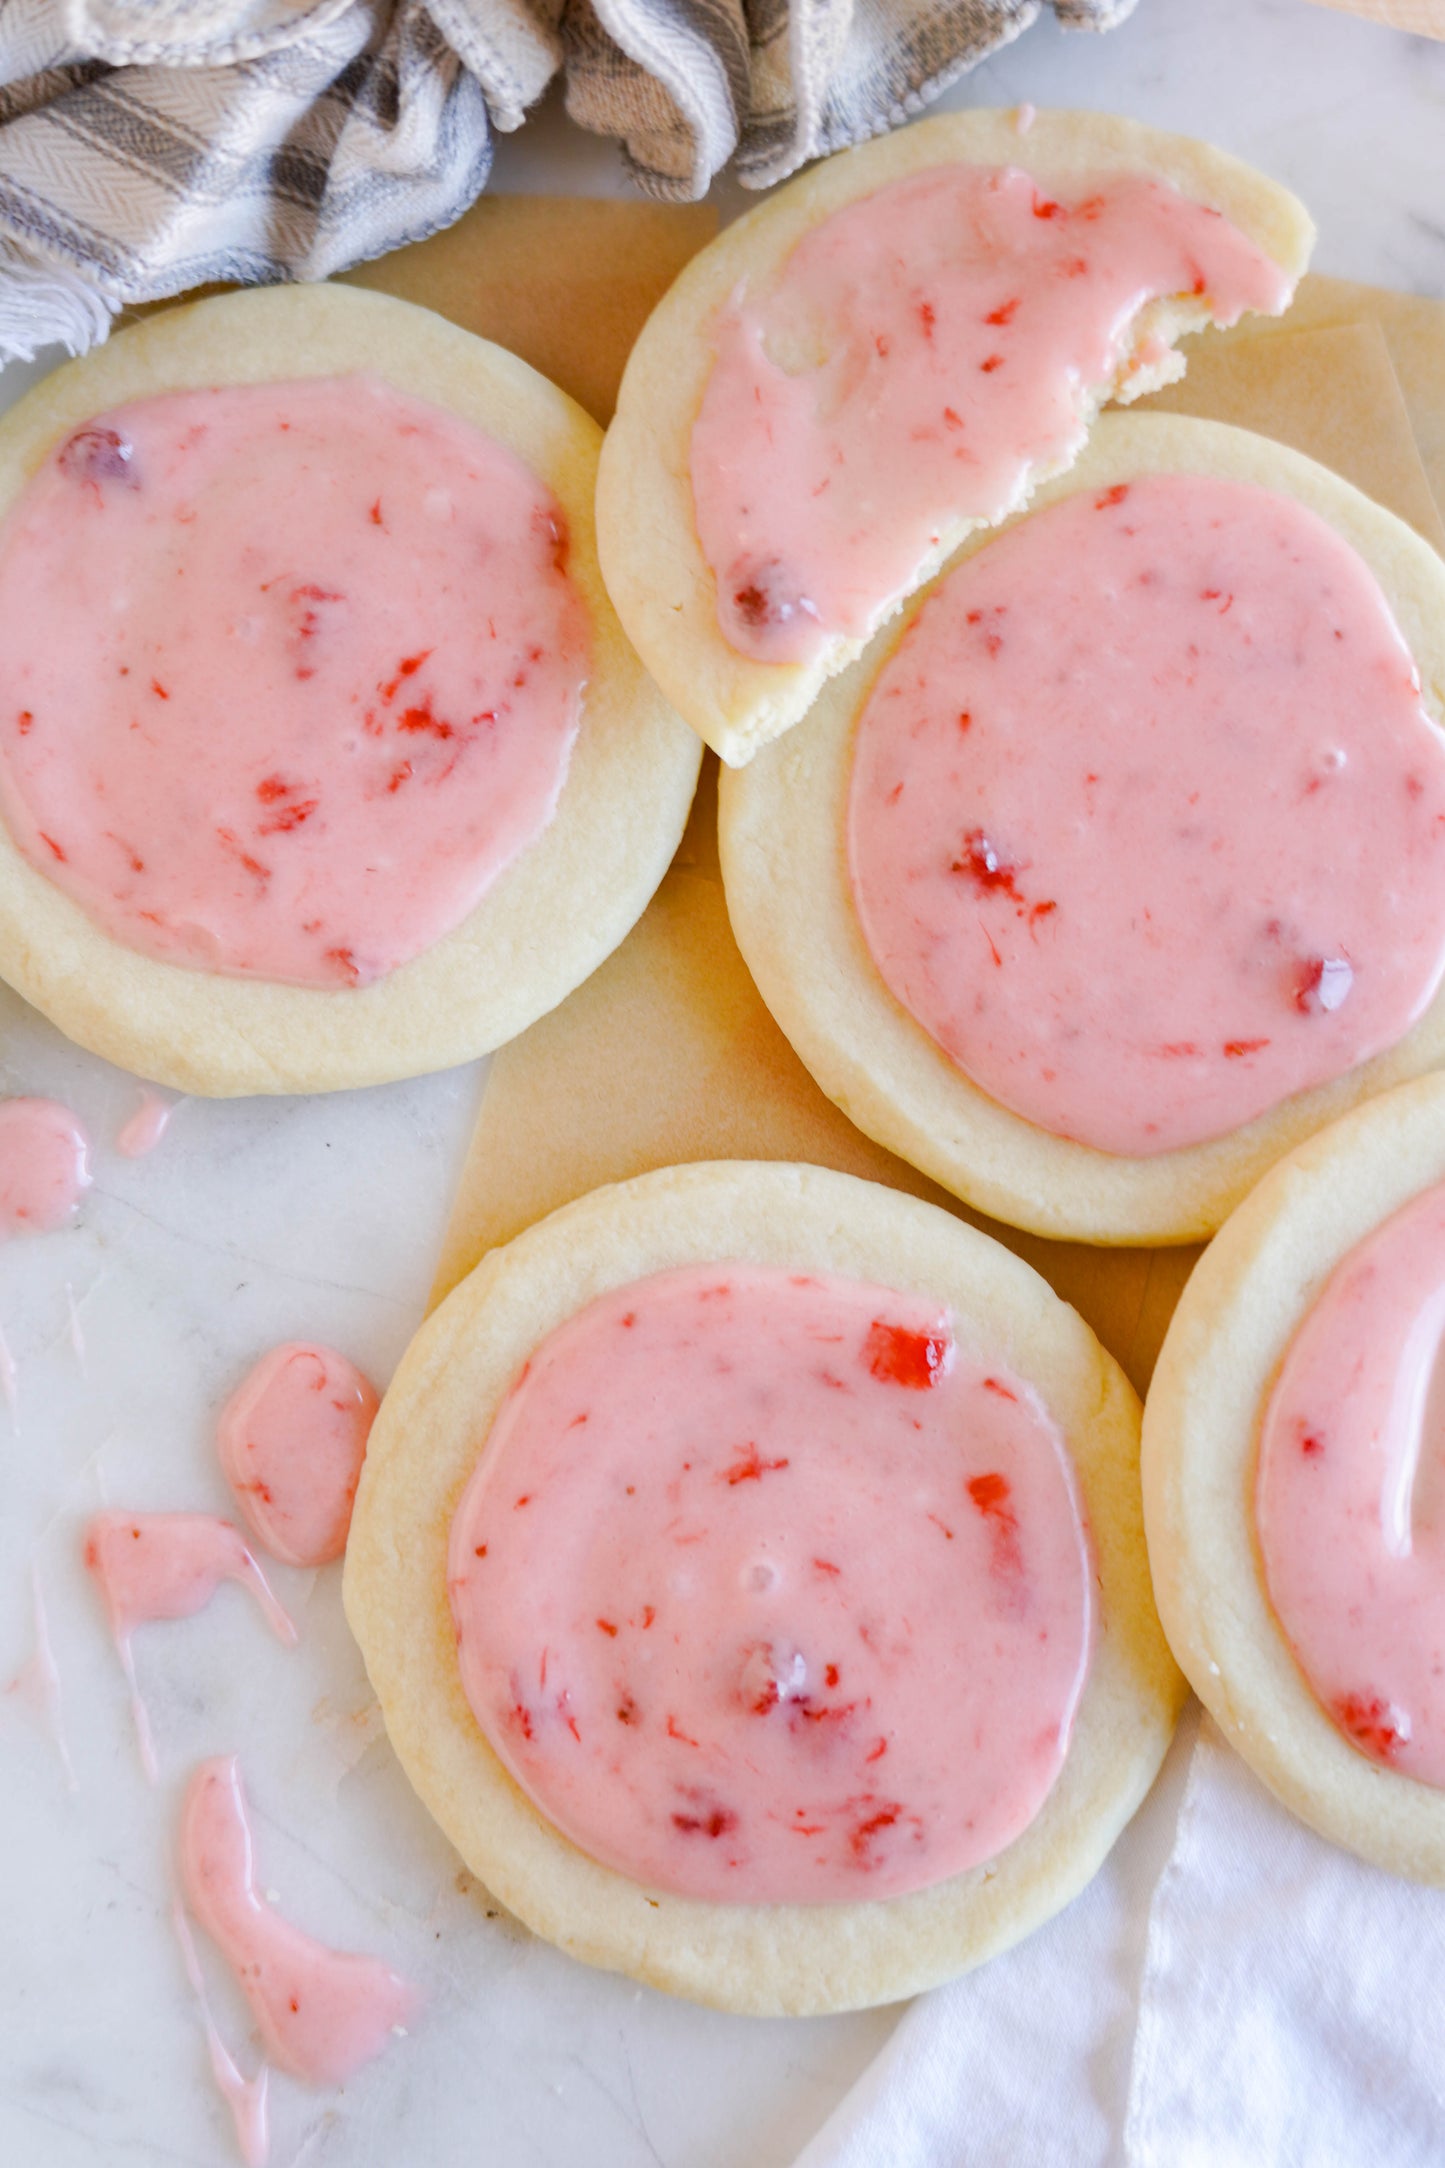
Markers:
<point>77,1337</point>
<point>37,1682</point>
<point>153,1566</point>
<point>44,1165</point>
<point>156,1566</point>
<point>291,683</point>
<point>1350,1493</point>
<point>1024,117</point>
<point>10,1383</point>
<point>245,2097</point>
<point>322,2013</point>
<point>923,355</point>
<point>1146,824</point>
<point>766,1591</point>
<point>291,1441</point>
<point>145,1128</point>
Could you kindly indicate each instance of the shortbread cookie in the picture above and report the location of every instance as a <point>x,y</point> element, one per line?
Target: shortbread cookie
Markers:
<point>889,353</point>
<point>1290,1480</point>
<point>1134,939</point>
<point>385,781</point>
<point>761,1651</point>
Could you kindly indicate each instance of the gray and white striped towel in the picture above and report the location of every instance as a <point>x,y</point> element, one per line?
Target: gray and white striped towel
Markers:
<point>148,146</point>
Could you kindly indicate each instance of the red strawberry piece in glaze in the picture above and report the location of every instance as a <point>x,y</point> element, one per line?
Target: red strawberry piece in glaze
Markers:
<point>897,1356</point>
<point>764,597</point>
<point>1323,984</point>
<point>1377,1727</point>
<point>100,458</point>
<point>768,1678</point>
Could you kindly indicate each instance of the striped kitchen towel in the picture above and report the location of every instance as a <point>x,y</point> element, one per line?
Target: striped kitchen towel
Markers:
<point>148,146</point>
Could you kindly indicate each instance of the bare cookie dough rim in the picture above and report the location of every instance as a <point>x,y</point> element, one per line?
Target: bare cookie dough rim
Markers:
<point>587,877</point>
<point>1239,1312</point>
<point>782,836</point>
<point>652,560</point>
<point>764,1959</point>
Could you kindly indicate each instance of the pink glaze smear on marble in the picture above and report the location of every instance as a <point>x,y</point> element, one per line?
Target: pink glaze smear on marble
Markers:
<point>44,1165</point>
<point>156,1566</point>
<point>1146,825</point>
<point>247,2098</point>
<point>768,1589</point>
<point>143,1130</point>
<point>922,354</point>
<point>293,673</point>
<point>291,1440</point>
<point>37,1682</point>
<point>322,2013</point>
<point>1350,1493</point>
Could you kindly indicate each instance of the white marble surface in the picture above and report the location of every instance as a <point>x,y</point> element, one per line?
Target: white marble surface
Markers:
<point>260,1220</point>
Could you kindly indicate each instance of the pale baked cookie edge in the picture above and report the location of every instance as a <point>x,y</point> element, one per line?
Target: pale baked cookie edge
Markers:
<point>1222,1353</point>
<point>757,1958</point>
<point>781,825</point>
<point>587,877</point>
<point>651,557</point>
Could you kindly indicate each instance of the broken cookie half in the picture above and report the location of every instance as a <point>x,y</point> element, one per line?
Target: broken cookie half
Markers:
<point>889,354</point>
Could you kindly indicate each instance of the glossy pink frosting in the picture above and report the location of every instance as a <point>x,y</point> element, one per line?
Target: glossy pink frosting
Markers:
<point>1146,825</point>
<point>293,673</point>
<point>322,2013</point>
<point>143,1130</point>
<point>152,1566</point>
<point>291,1440</point>
<point>44,1165</point>
<point>764,1590</point>
<point>155,1566</point>
<point>1350,1493</point>
<point>247,2098</point>
<point>921,351</point>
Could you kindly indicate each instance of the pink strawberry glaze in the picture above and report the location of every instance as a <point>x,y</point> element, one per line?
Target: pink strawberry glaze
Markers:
<point>1350,1493</point>
<point>293,672</point>
<point>765,1591</point>
<point>291,1441</point>
<point>322,2013</point>
<point>1147,820</point>
<point>922,351</point>
<point>143,1131</point>
<point>247,2098</point>
<point>169,1565</point>
<point>154,1566</point>
<point>44,1165</point>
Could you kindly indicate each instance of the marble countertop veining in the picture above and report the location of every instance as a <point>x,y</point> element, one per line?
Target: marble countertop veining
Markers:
<point>260,1220</point>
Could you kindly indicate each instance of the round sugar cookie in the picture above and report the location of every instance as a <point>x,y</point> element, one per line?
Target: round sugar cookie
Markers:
<point>435,1422</point>
<point>782,833</point>
<point>549,917</point>
<point>1248,1296</point>
<point>656,573</point>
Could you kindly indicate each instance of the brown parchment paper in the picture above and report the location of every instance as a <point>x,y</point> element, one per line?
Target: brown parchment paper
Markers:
<point>667,1054</point>
<point>1426,18</point>
<point>567,282</point>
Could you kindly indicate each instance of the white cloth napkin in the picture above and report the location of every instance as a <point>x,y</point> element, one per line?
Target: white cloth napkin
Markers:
<point>148,146</point>
<point>1285,2010</point>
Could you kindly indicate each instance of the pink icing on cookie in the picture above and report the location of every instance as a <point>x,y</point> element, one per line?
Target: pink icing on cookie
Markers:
<point>921,351</point>
<point>1350,1493</point>
<point>44,1165</point>
<point>1146,825</point>
<point>766,1591</point>
<point>322,2013</point>
<point>293,673</point>
<point>291,1440</point>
